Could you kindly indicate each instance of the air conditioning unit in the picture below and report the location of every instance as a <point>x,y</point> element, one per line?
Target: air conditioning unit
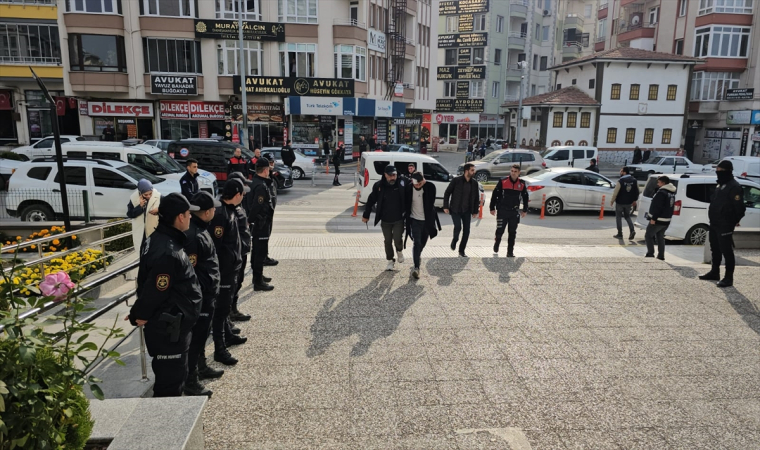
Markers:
<point>547,13</point>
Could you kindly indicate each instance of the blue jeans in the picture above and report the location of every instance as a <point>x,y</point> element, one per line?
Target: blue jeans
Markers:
<point>461,223</point>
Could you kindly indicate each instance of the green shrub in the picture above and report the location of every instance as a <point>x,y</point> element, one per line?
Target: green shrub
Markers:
<point>119,244</point>
<point>11,155</point>
<point>78,427</point>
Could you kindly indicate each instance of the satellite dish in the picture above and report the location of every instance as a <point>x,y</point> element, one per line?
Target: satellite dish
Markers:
<point>635,20</point>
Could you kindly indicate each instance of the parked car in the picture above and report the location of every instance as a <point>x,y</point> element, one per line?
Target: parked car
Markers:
<point>44,147</point>
<point>34,192</point>
<point>498,163</point>
<point>664,164</point>
<point>693,193</point>
<point>301,166</point>
<point>7,167</point>
<point>402,148</point>
<point>498,144</point>
<point>163,144</point>
<point>744,166</point>
<point>567,188</point>
<point>570,156</point>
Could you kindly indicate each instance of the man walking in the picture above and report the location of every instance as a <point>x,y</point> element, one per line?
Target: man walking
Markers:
<point>338,156</point>
<point>421,216</point>
<point>362,146</point>
<point>593,167</point>
<point>624,198</point>
<point>189,181</point>
<point>288,155</point>
<point>726,210</point>
<point>461,200</point>
<point>507,194</point>
<point>237,163</point>
<point>636,156</point>
<point>202,255</point>
<point>260,221</point>
<point>388,194</point>
<point>660,213</point>
<point>168,296</point>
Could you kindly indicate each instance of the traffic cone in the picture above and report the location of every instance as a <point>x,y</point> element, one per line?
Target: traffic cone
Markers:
<point>480,212</point>
<point>356,204</point>
<point>543,205</point>
<point>601,213</point>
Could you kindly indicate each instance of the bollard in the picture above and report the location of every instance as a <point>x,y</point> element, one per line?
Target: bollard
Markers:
<point>313,175</point>
<point>543,205</point>
<point>480,211</point>
<point>601,213</point>
<point>143,359</point>
<point>356,204</point>
<point>86,205</point>
<point>356,175</point>
<point>327,166</point>
<point>625,164</point>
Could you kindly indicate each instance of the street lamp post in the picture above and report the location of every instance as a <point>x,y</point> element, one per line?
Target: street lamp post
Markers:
<point>241,64</point>
<point>520,65</point>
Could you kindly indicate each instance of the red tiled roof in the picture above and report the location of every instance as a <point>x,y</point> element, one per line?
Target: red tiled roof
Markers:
<point>630,54</point>
<point>570,95</point>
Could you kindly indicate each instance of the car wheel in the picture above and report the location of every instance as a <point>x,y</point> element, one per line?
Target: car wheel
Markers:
<point>553,206</point>
<point>697,235</point>
<point>37,213</point>
<point>481,176</point>
<point>297,173</point>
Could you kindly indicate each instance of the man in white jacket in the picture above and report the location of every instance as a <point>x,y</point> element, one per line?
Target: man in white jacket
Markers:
<point>143,210</point>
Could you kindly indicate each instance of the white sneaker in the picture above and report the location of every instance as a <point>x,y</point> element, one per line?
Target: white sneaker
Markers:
<point>416,272</point>
<point>390,265</point>
<point>400,256</point>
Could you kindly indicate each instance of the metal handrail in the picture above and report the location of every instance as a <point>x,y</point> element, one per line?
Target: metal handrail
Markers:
<point>21,245</point>
<point>518,34</point>
<point>350,23</point>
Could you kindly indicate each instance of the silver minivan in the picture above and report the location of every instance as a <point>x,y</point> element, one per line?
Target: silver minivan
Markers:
<point>570,156</point>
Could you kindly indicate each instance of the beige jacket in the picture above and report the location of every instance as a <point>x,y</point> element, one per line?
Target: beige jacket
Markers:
<point>144,224</point>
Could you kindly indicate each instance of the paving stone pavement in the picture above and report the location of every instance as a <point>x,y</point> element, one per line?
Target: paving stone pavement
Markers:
<point>557,353</point>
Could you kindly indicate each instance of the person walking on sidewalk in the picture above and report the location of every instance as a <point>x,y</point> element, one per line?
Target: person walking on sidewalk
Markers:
<point>288,155</point>
<point>505,205</point>
<point>593,167</point>
<point>421,216</point>
<point>462,201</point>
<point>660,213</point>
<point>338,156</point>
<point>202,255</point>
<point>726,210</point>
<point>624,198</point>
<point>389,196</point>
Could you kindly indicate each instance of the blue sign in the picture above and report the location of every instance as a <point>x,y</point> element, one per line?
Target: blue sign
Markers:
<point>755,120</point>
<point>349,106</point>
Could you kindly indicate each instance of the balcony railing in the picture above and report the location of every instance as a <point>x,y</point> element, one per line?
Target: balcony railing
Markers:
<point>347,23</point>
<point>511,98</point>
<point>601,39</point>
<point>625,27</point>
<point>518,34</point>
<point>602,6</point>
<point>35,60</point>
<point>29,2</point>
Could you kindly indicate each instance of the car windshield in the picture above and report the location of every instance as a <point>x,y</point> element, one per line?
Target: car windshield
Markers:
<point>542,174</point>
<point>138,174</point>
<point>394,147</point>
<point>491,156</point>
<point>546,152</point>
<point>657,160</point>
<point>169,164</point>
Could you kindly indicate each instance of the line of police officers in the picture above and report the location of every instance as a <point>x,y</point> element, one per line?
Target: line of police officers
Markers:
<point>190,274</point>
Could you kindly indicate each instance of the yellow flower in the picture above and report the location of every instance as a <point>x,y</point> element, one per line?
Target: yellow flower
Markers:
<point>56,242</point>
<point>74,237</point>
<point>18,238</point>
<point>34,247</point>
<point>16,280</point>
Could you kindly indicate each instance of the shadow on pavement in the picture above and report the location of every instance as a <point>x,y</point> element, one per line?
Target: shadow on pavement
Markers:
<point>503,266</point>
<point>445,268</point>
<point>372,313</point>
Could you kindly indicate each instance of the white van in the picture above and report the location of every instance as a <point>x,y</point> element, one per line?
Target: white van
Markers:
<point>151,159</point>
<point>570,156</point>
<point>745,167</point>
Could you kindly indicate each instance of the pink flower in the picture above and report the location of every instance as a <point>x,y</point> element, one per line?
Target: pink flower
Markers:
<point>56,285</point>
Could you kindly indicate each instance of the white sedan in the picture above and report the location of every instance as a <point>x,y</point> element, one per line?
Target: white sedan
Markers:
<point>44,147</point>
<point>666,164</point>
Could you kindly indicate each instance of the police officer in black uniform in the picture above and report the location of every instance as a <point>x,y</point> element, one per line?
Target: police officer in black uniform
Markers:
<point>245,246</point>
<point>272,185</point>
<point>260,220</point>
<point>202,254</point>
<point>237,163</point>
<point>189,181</point>
<point>226,237</point>
<point>506,199</point>
<point>168,296</point>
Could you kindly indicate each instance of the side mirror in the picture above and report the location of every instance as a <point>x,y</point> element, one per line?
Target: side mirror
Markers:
<point>130,185</point>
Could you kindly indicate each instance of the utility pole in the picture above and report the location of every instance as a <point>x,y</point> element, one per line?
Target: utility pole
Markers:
<point>520,65</point>
<point>241,61</point>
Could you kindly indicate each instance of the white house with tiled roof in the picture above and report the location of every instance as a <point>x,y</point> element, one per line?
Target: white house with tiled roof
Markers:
<point>643,98</point>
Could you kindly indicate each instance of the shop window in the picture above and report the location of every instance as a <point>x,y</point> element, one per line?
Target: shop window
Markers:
<point>586,120</point>
<point>611,135</point>
<point>297,11</point>
<point>168,8</point>
<point>721,41</point>
<point>615,93</point>
<point>228,9</point>
<point>572,119</point>
<point>76,176</point>
<point>107,179</point>
<point>25,43</point>
<point>558,119</point>
<point>297,60</point>
<point>350,62</point>
<point>94,6</point>
<point>227,57</point>
<point>630,135</point>
<point>99,53</point>
<point>172,56</point>
<point>667,133</point>
<point>648,135</point>
<point>672,89</point>
<point>654,90</point>
<point>707,86</point>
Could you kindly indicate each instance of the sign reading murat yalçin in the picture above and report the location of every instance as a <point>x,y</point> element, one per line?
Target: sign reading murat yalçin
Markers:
<point>228,29</point>
<point>314,87</point>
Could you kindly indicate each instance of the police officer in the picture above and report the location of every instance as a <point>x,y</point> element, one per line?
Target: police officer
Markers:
<point>189,181</point>
<point>272,185</point>
<point>202,254</point>
<point>226,237</point>
<point>624,198</point>
<point>506,199</point>
<point>245,247</point>
<point>237,163</point>
<point>726,210</point>
<point>260,220</point>
<point>168,296</point>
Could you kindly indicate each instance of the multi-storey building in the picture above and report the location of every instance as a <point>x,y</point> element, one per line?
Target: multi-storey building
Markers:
<point>577,20</point>
<point>29,37</point>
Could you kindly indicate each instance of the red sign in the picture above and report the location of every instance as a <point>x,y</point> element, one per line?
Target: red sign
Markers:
<point>5,100</point>
<point>83,109</point>
<point>72,103</point>
<point>440,118</point>
<point>179,109</point>
<point>120,109</point>
<point>203,130</point>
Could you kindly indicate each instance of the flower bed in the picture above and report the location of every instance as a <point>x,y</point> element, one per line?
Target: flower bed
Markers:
<point>56,245</point>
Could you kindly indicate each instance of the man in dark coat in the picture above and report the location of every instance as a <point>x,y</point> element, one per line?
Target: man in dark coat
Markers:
<point>189,181</point>
<point>593,167</point>
<point>421,216</point>
<point>338,156</point>
<point>388,195</point>
<point>260,221</point>
<point>726,210</point>
<point>462,201</point>
<point>660,214</point>
<point>288,155</point>
<point>636,156</point>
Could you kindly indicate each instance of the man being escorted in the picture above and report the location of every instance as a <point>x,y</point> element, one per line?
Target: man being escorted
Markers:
<point>421,216</point>
<point>659,215</point>
<point>260,221</point>
<point>202,254</point>
<point>506,201</point>
<point>462,201</point>
<point>726,210</point>
<point>624,198</point>
<point>168,296</point>
<point>189,181</point>
<point>389,195</point>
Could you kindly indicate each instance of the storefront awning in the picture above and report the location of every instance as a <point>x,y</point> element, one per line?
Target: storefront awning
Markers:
<point>344,106</point>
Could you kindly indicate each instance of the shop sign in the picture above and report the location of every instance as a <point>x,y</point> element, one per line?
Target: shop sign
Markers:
<point>326,106</point>
<point>382,130</point>
<point>463,56</point>
<point>120,109</point>
<point>740,94</point>
<point>173,85</point>
<point>456,118</point>
<point>489,119</point>
<point>461,73</point>
<point>398,91</point>
<point>755,120</point>
<point>738,117</point>
<point>745,139</point>
<point>463,90</point>
<point>179,109</point>
<point>376,40</point>
<point>228,29</point>
<point>696,123</point>
<point>463,40</point>
<point>383,108</point>
<point>257,112</point>
<point>314,87</point>
<point>462,6</point>
<point>459,105</point>
<point>83,110</point>
<point>466,23</point>
<point>756,137</point>
<point>407,122</point>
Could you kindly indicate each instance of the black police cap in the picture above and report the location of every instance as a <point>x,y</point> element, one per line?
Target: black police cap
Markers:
<point>173,205</point>
<point>205,201</point>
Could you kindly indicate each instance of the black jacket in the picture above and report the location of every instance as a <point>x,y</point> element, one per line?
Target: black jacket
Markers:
<point>261,207</point>
<point>362,146</point>
<point>189,185</point>
<point>224,232</point>
<point>507,195</point>
<point>338,156</point>
<point>636,157</point>
<point>593,168</point>
<point>727,206</point>
<point>166,281</point>
<point>458,204</point>
<point>627,190</point>
<point>288,155</point>
<point>377,197</point>
<point>237,165</point>
<point>243,229</point>
<point>432,223</point>
<point>202,254</point>
<point>272,186</point>
<point>663,201</point>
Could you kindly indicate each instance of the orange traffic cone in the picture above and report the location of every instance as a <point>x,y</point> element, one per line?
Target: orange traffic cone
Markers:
<point>601,213</point>
<point>356,204</point>
<point>543,205</point>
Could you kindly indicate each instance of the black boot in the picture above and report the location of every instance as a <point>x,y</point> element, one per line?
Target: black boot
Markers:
<point>619,235</point>
<point>194,387</point>
<point>271,262</point>
<point>726,282</point>
<point>237,316</point>
<point>496,243</point>
<point>712,275</point>
<point>231,338</point>
<point>266,279</point>
<point>221,354</point>
<point>206,373</point>
<point>232,328</point>
<point>261,285</point>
